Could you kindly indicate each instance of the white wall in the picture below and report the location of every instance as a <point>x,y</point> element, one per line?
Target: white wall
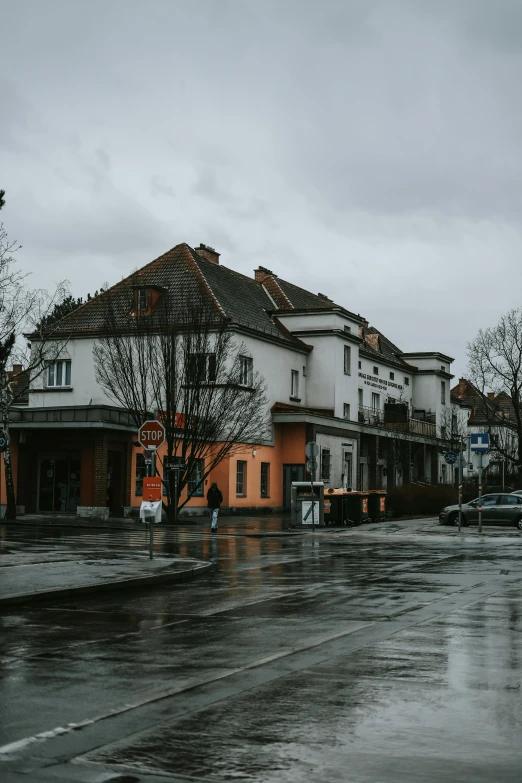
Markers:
<point>272,361</point>
<point>83,383</point>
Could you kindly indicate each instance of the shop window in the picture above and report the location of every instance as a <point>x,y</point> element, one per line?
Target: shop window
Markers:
<point>141,472</point>
<point>265,479</point>
<point>195,482</point>
<point>59,373</point>
<point>241,478</point>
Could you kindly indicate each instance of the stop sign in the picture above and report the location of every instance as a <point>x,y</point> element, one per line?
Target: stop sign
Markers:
<point>151,434</point>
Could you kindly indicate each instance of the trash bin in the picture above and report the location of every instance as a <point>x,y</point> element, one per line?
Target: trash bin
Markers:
<point>356,506</point>
<point>377,504</point>
<point>333,507</point>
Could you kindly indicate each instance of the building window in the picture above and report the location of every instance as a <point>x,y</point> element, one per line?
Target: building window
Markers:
<point>304,372</point>
<point>241,478</point>
<point>406,381</point>
<point>325,465</point>
<point>442,431</point>
<point>246,370</point>
<point>359,365</point>
<point>376,402</point>
<point>443,392</point>
<point>346,411</point>
<point>195,482</point>
<point>141,472</point>
<point>294,384</point>
<point>347,328</point>
<point>201,368</point>
<point>59,373</point>
<point>347,360</point>
<point>167,472</point>
<point>142,300</point>
<point>265,479</point>
<point>392,376</point>
<point>443,368</point>
<point>361,397</point>
<point>376,371</point>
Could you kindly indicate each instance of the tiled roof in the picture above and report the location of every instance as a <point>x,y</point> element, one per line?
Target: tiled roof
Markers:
<point>376,344</point>
<point>184,277</point>
<point>486,409</point>
<point>300,299</point>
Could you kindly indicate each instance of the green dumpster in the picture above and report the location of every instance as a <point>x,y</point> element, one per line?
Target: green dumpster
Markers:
<point>356,507</point>
<point>377,504</point>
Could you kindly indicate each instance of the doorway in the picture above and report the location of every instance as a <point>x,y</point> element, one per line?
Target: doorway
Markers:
<point>291,473</point>
<point>59,485</point>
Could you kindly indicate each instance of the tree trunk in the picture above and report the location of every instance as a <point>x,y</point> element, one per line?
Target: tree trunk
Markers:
<point>10,511</point>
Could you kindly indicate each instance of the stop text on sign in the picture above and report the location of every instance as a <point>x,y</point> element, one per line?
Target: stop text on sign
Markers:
<point>151,434</point>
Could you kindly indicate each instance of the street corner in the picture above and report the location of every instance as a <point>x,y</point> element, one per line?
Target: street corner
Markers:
<point>88,575</point>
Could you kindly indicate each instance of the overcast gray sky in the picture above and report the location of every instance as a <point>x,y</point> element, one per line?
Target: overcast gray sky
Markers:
<point>367,149</point>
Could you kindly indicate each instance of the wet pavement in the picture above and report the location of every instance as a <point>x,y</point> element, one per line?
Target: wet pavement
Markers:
<point>374,654</point>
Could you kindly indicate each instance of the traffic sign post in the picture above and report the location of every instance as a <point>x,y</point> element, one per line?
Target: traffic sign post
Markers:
<point>479,444</point>
<point>312,450</point>
<point>450,457</point>
<point>151,435</point>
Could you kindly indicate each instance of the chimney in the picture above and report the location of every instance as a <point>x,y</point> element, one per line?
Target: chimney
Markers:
<point>208,252</point>
<point>17,369</point>
<point>260,274</point>
<point>491,395</point>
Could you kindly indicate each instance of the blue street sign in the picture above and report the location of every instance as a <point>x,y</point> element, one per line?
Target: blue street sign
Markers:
<point>479,441</point>
<point>450,458</point>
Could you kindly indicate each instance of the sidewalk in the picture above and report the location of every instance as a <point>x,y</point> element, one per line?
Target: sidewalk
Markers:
<point>27,582</point>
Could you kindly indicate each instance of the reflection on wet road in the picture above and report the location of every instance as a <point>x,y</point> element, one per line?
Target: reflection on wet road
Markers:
<point>296,659</point>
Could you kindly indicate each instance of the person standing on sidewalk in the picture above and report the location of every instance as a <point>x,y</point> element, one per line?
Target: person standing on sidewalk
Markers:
<point>214,500</point>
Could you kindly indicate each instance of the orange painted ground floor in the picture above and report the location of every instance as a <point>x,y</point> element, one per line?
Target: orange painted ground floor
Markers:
<point>88,462</point>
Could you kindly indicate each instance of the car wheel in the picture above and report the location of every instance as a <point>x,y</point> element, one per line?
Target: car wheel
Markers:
<point>518,524</point>
<point>453,519</point>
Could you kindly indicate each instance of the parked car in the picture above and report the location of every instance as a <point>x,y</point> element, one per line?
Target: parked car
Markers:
<point>517,492</point>
<point>496,509</point>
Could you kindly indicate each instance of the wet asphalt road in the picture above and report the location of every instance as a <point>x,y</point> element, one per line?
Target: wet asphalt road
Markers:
<point>361,658</point>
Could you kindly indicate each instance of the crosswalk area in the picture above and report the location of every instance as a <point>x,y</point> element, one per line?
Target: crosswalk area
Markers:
<point>113,541</point>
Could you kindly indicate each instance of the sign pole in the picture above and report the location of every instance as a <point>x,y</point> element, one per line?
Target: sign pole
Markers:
<point>312,476</point>
<point>176,475</point>
<point>480,494</point>
<point>460,472</point>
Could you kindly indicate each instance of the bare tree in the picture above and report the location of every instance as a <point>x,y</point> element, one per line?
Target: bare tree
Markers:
<point>495,365</point>
<point>185,367</point>
<point>21,310</point>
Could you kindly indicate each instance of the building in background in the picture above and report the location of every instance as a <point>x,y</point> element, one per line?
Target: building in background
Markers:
<point>375,412</point>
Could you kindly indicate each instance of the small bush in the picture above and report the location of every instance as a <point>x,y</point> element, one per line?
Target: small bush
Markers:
<point>415,499</point>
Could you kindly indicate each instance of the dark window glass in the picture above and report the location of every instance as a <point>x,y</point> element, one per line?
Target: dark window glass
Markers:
<point>241,478</point>
<point>141,472</point>
<point>265,479</point>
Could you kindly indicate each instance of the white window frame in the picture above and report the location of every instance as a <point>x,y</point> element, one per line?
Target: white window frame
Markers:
<point>376,402</point>
<point>347,360</point>
<point>241,478</point>
<point>59,369</point>
<point>246,371</point>
<point>294,384</point>
<point>346,410</point>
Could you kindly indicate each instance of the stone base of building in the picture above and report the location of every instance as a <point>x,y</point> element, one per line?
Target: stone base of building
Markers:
<point>93,512</point>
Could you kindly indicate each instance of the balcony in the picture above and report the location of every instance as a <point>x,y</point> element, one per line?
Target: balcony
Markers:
<point>426,428</point>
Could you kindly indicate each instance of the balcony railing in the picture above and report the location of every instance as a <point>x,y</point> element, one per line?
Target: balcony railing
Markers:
<point>376,418</point>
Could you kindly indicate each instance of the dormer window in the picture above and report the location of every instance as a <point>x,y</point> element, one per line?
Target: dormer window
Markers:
<point>145,299</point>
<point>142,300</point>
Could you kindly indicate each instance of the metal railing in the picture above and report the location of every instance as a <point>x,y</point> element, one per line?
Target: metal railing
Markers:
<point>376,418</point>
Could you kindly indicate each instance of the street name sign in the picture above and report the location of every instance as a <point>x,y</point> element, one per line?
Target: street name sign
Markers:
<point>479,441</point>
<point>151,435</point>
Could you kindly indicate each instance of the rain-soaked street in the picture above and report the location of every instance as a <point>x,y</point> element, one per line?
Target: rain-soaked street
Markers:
<point>359,656</point>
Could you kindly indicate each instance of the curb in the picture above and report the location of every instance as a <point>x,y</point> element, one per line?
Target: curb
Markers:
<point>118,584</point>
